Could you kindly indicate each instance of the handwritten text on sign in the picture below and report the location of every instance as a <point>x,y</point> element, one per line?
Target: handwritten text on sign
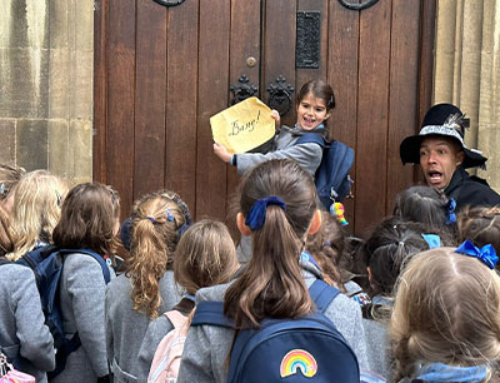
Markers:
<point>243,126</point>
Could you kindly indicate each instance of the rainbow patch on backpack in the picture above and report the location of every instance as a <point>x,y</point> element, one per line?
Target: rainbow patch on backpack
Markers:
<point>298,360</point>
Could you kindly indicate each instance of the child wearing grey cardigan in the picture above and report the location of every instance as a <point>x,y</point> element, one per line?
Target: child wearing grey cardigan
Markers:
<point>147,288</point>
<point>23,336</point>
<point>278,208</point>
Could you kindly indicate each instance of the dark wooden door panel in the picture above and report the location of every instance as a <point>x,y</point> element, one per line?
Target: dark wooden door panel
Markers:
<point>213,85</point>
<point>160,73</point>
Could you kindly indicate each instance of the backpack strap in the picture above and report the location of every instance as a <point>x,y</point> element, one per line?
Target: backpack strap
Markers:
<point>176,318</point>
<point>4,261</point>
<point>211,313</point>
<point>322,294</point>
<point>97,257</point>
<point>315,138</point>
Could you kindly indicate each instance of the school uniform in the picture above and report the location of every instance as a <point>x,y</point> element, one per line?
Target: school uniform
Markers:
<point>82,291</point>
<point>24,338</point>
<point>156,331</point>
<point>207,347</point>
<point>126,327</point>
<point>308,155</point>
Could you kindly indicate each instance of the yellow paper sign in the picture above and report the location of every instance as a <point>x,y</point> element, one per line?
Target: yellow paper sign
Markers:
<point>243,126</point>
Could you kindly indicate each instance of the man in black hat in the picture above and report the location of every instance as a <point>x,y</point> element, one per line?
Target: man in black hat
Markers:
<point>440,150</point>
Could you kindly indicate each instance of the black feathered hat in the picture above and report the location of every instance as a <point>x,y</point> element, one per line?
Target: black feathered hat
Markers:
<point>441,120</point>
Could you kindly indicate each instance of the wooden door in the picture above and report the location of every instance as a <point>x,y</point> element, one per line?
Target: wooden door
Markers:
<point>161,72</point>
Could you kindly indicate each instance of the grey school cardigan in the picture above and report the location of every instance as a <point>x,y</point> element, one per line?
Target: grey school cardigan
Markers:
<point>207,347</point>
<point>22,330</point>
<point>308,156</point>
<point>82,289</point>
<point>126,327</point>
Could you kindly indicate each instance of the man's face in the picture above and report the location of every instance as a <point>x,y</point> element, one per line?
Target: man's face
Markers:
<point>439,158</point>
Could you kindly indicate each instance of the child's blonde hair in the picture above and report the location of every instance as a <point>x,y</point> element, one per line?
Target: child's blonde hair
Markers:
<point>156,222</point>
<point>205,256</point>
<point>38,199</point>
<point>447,310</point>
<point>6,245</point>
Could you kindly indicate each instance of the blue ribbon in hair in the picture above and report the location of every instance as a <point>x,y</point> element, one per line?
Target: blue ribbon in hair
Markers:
<point>443,373</point>
<point>257,215</point>
<point>485,254</point>
<point>450,211</point>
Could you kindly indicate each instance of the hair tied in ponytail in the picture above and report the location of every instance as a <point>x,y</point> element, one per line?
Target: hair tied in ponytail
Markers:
<point>485,254</point>
<point>257,215</point>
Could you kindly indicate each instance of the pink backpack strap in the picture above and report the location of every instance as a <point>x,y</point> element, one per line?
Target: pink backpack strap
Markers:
<point>178,320</point>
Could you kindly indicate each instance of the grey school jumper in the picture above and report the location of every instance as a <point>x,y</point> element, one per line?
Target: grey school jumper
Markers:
<point>126,327</point>
<point>82,292</point>
<point>22,329</point>
<point>207,347</point>
<point>308,155</point>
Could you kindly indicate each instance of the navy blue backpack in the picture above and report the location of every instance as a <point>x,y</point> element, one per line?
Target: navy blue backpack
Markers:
<point>308,349</point>
<point>47,263</point>
<point>332,177</point>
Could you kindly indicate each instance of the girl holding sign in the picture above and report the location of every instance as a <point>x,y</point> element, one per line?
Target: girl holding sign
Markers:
<point>314,104</point>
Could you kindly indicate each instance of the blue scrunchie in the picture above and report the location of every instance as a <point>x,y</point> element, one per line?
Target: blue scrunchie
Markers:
<point>257,215</point>
<point>450,211</point>
<point>442,373</point>
<point>485,254</point>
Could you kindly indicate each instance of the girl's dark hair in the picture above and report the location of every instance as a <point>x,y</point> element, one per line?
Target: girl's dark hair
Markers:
<point>10,175</point>
<point>89,219</point>
<point>155,226</point>
<point>272,284</point>
<point>422,204</point>
<point>481,225</point>
<point>319,89</point>
<point>326,247</point>
<point>392,244</point>
<point>6,242</point>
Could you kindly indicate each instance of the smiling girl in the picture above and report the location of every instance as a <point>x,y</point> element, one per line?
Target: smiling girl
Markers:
<point>314,103</point>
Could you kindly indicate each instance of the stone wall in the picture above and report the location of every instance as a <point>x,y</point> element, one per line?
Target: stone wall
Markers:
<point>467,72</point>
<point>46,74</point>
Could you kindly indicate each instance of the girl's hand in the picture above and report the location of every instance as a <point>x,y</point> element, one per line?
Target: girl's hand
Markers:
<point>221,152</point>
<point>275,115</point>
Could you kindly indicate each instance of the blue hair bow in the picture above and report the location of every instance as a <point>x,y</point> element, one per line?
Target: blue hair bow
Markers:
<point>257,215</point>
<point>450,210</point>
<point>485,254</point>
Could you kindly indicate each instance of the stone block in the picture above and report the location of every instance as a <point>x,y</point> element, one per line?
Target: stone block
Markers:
<point>80,148</point>
<point>32,147</point>
<point>59,20</point>
<point>24,77</point>
<point>8,141</point>
<point>37,23</point>
<point>80,94</point>
<point>84,25</point>
<point>59,83</point>
<point>59,148</point>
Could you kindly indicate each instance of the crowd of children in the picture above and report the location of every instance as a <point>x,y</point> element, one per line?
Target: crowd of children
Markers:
<point>417,301</point>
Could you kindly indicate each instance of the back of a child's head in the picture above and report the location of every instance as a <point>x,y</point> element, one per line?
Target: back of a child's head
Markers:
<point>6,243</point>
<point>424,205</point>
<point>480,225</point>
<point>38,198</point>
<point>447,310</point>
<point>319,89</point>
<point>327,247</point>
<point>89,219</point>
<point>157,222</point>
<point>388,250</point>
<point>205,256</point>
<point>10,175</point>
<point>278,202</point>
